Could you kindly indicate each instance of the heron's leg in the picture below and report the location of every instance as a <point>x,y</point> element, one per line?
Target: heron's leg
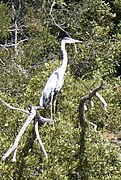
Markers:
<point>51,102</point>
<point>54,104</point>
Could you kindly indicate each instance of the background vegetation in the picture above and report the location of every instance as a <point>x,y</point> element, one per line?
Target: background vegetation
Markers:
<point>26,61</point>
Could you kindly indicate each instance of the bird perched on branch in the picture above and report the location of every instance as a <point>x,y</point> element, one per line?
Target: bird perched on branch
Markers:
<point>56,80</point>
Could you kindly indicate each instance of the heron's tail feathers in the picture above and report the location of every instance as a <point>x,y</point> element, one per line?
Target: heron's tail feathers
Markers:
<point>43,101</point>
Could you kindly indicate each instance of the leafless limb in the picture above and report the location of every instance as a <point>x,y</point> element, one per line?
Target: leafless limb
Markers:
<point>18,137</point>
<point>5,46</point>
<point>22,41</point>
<point>19,8</point>
<point>89,98</point>
<point>39,139</point>
<point>2,62</point>
<point>102,100</point>
<point>14,108</point>
<point>32,111</point>
<point>16,39</point>
<point>53,3</point>
<point>16,27</point>
<point>53,19</point>
<point>10,45</point>
<point>15,30</point>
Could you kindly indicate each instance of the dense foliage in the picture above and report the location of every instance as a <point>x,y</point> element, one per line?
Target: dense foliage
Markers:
<point>74,152</point>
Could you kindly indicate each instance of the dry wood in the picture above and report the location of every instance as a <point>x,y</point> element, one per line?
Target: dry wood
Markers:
<point>32,111</point>
<point>82,102</point>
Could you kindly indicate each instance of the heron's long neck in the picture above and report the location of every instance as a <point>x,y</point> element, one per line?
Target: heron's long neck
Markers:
<point>64,53</point>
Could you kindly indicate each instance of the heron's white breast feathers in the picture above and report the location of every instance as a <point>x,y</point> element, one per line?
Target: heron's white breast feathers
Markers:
<point>55,81</point>
<point>54,84</point>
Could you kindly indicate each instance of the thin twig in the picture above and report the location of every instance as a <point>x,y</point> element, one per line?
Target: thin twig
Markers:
<point>11,45</point>
<point>22,41</point>
<point>54,19</point>
<point>16,39</point>
<point>2,62</point>
<point>53,3</point>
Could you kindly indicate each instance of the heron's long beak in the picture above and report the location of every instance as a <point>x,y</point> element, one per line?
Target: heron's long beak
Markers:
<point>74,40</point>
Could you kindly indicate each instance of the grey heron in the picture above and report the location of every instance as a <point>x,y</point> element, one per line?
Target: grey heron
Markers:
<point>56,79</point>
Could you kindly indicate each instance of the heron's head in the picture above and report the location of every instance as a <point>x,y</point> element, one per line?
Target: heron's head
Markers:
<point>70,40</point>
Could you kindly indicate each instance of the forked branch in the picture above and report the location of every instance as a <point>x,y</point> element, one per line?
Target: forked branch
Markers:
<point>82,102</point>
<point>32,111</point>
<point>53,19</point>
<point>18,137</point>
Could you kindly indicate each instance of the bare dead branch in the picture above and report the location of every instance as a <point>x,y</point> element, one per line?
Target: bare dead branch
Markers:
<point>13,45</point>
<point>102,100</point>
<point>89,98</point>
<point>2,62</point>
<point>32,111</point>
<point>14,155</point>
<point>39,139</point>
<point>12,30</point>
<point>53,19</point>
<point>53,3</point>
<point>16,13</point>
<point>16,39</point>
<point>19,8</point>
<point>14,108</point>
<point>18,137</point>
<point>40,119</point>
<point>93,124</point>
<point>45,120</point>
<point>22,41</point>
